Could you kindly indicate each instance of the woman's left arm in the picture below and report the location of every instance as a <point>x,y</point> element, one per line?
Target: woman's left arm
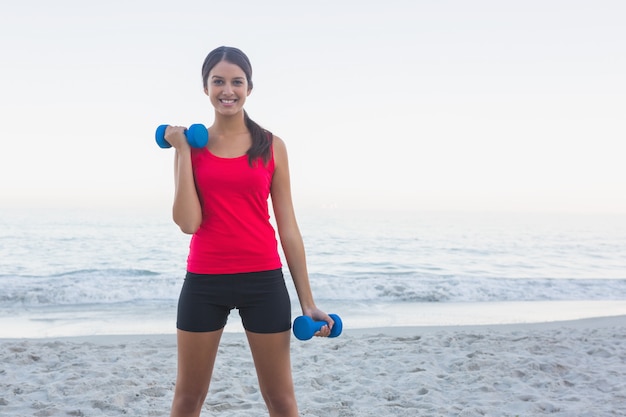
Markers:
<point>290,237</point>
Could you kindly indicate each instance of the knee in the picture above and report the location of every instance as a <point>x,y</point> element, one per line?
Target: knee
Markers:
<point>281,404</point>
<point>188,403</point>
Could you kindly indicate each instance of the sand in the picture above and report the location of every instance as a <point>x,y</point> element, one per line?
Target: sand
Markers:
<point>574,368</point>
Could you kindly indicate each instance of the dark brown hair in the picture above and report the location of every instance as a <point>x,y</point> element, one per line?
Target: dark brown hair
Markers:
<point>261,138</point>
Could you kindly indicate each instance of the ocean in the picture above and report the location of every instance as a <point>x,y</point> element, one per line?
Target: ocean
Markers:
<point>83,272</point>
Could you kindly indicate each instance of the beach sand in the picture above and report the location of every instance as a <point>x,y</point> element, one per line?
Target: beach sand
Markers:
<point>575,368</point>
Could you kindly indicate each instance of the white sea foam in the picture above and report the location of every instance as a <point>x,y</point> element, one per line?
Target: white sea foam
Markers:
<point>130,269</point>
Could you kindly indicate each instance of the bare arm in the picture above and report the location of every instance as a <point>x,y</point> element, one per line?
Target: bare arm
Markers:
<point>290,237</point>
<point>186,210</point>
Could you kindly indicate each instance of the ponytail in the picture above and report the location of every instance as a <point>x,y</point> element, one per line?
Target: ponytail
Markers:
<point>261,141</point>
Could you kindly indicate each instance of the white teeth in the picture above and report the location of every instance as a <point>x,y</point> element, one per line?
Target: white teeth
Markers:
<point>228,101</point>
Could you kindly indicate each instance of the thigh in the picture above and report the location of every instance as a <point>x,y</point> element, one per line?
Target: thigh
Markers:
<point>272,360</point>
<point>196,359</point>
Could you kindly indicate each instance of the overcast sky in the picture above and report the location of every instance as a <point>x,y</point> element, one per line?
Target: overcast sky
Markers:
<point>444,105</point>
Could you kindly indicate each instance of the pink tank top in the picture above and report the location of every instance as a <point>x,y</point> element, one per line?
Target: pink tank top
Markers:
<point>235,235</point>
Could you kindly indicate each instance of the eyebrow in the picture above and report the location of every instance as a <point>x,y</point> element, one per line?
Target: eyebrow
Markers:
<point>234,78</point>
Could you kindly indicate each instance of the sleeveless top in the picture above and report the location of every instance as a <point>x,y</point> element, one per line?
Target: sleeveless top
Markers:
<point>235,235</point>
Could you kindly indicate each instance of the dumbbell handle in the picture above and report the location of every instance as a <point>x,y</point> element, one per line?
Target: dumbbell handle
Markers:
<point>304,327</point>
<point>197,136</point>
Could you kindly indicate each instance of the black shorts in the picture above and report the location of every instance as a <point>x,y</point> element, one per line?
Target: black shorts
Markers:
<point>262,299</point>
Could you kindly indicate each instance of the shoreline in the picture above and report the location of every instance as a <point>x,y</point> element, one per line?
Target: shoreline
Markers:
<point>395,331</point>
<point>70,322</point>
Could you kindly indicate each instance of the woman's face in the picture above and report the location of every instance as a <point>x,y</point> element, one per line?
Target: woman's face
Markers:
<point>227,87</point>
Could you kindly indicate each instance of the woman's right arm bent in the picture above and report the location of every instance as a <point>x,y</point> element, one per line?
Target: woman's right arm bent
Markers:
<point>186,210</point>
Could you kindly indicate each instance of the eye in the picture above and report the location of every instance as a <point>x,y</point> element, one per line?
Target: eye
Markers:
<point>238,82</point>
<point>217,81</point>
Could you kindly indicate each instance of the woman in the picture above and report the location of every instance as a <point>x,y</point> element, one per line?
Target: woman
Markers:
<point>221,197</point>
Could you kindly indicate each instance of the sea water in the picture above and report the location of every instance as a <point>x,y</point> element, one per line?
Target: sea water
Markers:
<point>83,272</point>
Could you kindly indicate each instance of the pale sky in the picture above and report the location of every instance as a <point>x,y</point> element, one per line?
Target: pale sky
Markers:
<point>435,105</point>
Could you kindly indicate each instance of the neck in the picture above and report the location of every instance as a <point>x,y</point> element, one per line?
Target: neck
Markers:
<point>230,124</point>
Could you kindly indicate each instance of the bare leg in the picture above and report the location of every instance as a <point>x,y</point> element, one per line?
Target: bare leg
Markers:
<point>196,358</point>
<point>272,360</point>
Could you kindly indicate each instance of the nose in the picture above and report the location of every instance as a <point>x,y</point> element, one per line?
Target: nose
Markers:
<point>228,89</point>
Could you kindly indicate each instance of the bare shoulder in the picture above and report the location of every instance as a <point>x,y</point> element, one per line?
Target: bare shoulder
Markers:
<point>279,143</point>
<point>280,151</point>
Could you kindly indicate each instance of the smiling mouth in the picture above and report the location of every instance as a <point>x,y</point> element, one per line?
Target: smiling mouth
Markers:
<point>230,101</point>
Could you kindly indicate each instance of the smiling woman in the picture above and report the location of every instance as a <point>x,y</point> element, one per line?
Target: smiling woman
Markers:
<point>221,198</point>
<point>227,80</point>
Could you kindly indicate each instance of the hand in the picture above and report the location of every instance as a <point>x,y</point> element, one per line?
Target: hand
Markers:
<point>318,315</point>
<point>175,136</point>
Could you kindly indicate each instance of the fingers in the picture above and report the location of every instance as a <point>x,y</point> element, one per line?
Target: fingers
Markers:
<point>325,330</point>
<point>318,315</point>
<point>175,136</point>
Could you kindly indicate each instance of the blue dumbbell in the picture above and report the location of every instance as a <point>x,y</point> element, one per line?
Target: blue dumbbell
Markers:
<point>197,136</point>
<point>304,327</point>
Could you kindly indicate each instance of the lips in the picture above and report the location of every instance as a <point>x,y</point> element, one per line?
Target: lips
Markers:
<point>227,102</point>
